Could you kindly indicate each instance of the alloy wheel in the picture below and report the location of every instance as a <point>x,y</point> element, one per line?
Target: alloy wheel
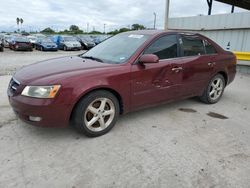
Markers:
<point>216,88</point>
<point>99,114</point>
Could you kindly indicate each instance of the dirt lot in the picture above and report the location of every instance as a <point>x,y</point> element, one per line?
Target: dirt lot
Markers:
<point>182,144</point>
<point>11,60</point>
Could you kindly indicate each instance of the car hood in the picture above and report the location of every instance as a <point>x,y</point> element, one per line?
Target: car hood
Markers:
<point>48,43</point>
<point>72,43</point>
<point>56,69</point>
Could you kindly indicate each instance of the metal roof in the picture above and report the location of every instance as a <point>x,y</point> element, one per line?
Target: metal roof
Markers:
<point>245,4</point>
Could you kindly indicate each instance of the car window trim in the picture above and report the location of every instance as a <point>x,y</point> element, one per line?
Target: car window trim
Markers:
<point>194,35</point>
<point>204,40</point>
<point>155,39</point>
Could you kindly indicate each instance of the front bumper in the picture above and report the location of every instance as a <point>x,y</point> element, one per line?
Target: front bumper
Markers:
<point>51,113</point>
<point>74,47</point>
<point>23,48</point>
<point>50,49</point>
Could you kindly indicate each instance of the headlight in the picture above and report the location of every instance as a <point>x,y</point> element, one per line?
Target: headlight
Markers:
<point>41,91</point>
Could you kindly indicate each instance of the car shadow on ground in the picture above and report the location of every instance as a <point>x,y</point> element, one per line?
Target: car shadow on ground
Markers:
<point>187,106</point>
<point>68,132</point>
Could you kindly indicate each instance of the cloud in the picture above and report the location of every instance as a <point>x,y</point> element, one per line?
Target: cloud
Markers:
<point>38,14</point>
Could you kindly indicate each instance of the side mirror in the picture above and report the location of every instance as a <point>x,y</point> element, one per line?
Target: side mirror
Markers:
<point>149,58</point>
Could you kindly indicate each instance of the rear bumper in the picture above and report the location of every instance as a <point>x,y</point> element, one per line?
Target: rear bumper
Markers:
<point>51,114</point>
<point>231,74</point>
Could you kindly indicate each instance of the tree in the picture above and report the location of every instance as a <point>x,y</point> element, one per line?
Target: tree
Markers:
<point>95,32</point>
<point>17,22</point>
<point>48,30</point>
<point>138,27</point>
<point>21,21</point>
<point>74,28</point>
<point>124,29</point>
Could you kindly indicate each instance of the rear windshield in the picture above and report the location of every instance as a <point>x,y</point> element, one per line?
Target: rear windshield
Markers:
<point>69,39</point>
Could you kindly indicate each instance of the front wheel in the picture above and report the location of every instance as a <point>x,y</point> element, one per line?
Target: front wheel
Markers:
<point>96,114</point>
<point>214,91</point>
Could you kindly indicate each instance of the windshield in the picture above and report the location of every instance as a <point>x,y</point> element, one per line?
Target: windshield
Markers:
<point>21,39</point>
<point>47,40</point>
<point>88,39</point>
<point>7,38</point>
<point>117,49</point>
<point>69,39</point>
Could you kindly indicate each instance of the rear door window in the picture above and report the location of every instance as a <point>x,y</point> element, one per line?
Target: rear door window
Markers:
<point>192,46</point>
<point>210,49</point>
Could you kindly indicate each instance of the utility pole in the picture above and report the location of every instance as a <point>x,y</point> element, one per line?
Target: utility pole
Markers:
<point>87,27</point>
<point>209,3</point>
<point>166,14</point>
<point>104,25</point>
<point>154,19</point>
<point>232,10</point>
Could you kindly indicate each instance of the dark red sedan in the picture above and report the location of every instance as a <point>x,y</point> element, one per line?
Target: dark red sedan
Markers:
<point>127,72</point>
<point>20,43</point>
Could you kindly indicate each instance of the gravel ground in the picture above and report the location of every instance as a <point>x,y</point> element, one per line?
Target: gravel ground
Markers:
<point>182,144</point>
<point>11,60</point>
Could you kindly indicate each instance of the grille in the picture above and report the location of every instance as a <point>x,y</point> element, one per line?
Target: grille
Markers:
<point>14,84</point>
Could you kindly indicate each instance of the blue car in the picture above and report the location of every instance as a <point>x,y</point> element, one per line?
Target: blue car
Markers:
<point>67,43</point>
<point>46,44</point>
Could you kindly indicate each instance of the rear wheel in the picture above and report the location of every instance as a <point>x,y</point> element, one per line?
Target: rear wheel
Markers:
<point>214,90</point>
<point>96,114</point>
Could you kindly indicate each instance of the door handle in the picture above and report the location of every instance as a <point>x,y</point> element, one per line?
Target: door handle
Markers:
<point>211,63</point>
<point>177,69</point>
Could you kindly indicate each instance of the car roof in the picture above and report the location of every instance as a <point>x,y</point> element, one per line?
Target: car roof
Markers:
<point>159,32</point>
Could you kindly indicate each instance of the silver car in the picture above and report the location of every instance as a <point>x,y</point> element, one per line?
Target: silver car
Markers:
<point>69,43</point>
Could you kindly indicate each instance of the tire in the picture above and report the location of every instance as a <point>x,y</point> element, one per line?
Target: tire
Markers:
<point>91,109</point>
<point>65,48</point>
<point>42,49</point>
<point>84,47</point>
<point>214,90</point>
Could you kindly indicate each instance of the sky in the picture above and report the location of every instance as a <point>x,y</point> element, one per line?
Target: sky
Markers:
<point>60,14</point>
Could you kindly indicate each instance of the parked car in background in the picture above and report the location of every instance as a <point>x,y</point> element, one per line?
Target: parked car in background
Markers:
<point>97,39</point>
<point>86,41</point>
<point>127,72</point>
<point>1,46</point>
<point>32,40</point>
<point>67,43</point>
<point>46,44</point>
<point>6,41</point>
<point>20,43</point>
<point>39,35</point>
